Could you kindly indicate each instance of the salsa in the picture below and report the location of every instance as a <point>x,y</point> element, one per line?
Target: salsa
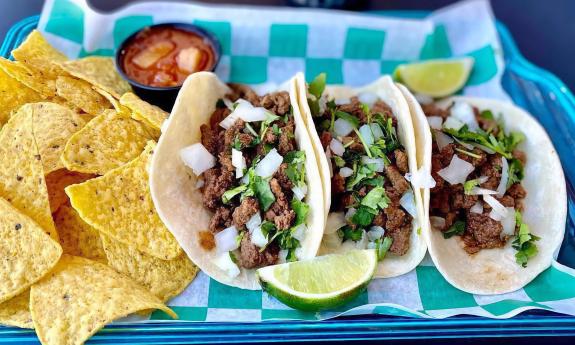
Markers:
<point>164,56</point>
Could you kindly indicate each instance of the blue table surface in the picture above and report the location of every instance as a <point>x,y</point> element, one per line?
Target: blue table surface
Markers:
<point>543,30</point>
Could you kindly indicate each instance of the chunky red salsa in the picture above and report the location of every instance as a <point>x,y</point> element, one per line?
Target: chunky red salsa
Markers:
<point>164,56</point>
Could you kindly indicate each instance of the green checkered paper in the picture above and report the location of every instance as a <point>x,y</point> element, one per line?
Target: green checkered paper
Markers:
<point>265,45</point>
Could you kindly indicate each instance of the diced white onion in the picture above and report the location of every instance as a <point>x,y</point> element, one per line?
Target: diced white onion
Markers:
<point>229,104</point>
<point>452,123</point>
<point>350,212</point>
<point>239,162</point>
<point>257,237</point>
<point>226,239</point>
<point>341,101</point>
<point>229,120</point>
<point>371,245</point>
<point>336,147</point>
<point>299,253</point>
<point>502,187</point>
<point>435,122</point>
<point>345,172</point>
<point>247,112</point>
<point>376,130</point>
<point>282,256</point>
<point>335,220</point>
<point>200,183</point>
<point>322,104</point>
<point>442,139</point>
<point>365,132</point>
<point>481,191</point>
<point>508,223</point>
<point>254,222</point>
<point>362,243</point>
<point>342,127</point>
<point>225,263</point>
<point>299,232</point>
<point>367,98</point>
<point>457,171</point>
<point>198,158</point>
<point>299,191</point>
<point>245,179</point>
<point>498,211</point>
<point>378,162</point>
<point>423,99</point>
<point>437,222</point>
<point>421,178</point>
<point>477,208</point>
<point>375,233</point>
<point>464,112</point>
<point>269,164</point>
<point>407,201</point>
<point>482,179</point>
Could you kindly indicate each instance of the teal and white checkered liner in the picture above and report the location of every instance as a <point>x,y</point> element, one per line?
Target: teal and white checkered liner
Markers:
<point>270,45</point>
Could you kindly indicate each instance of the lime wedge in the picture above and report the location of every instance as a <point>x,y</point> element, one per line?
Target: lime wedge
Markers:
<point>321,283</point>
<point>435,78</point>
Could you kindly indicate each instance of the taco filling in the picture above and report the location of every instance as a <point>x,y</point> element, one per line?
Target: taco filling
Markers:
<point>252,177</point>
<point>372,202</point>
<point>478,172</point>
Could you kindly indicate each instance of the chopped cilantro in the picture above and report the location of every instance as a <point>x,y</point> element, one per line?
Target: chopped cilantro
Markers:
<point>515,172</point>
<point>469,185</point>
<point>251,130</point>
<point>360,173</point>
<point>268,228</point>
<point>263,192</point>
<point>301,210</point>
<point>524,243</point>
<point>295,157</point>
<point>339,162</point>
<point>317,85</point>
<point>470,154</point>
<point>276,130</point>
<point>374,182</point>
<point>376,198</point>
<point>229,194</point>
<point>382,246</point>
<point>233,257</point>
<point>349,233</point>
<point>239,238</point>
<point>365,109</point>
<point>363,216</point>
<point>487,114</point>
<point>367,150</point>
<point>458,228</point>
<point>237,144</point>
<point>479,137</point>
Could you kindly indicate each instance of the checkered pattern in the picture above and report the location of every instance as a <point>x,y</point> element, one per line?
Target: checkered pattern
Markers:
<point>270,45</point>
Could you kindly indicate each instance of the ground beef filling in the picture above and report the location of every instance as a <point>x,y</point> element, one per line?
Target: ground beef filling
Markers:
<point>217,180</point>
<point>450,201</point>
<point>394,219</point>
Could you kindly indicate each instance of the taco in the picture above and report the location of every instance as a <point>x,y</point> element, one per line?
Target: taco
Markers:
<point>364,143</point>
<point>498,208</point>
<point>234,177</point>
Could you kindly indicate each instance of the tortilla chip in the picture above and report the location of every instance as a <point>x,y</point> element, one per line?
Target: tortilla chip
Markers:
<point>13,94</point>
<point>16,311</point>
<point>76,237</point>
<point>18,71</point>
<point>119,205</point>
<point>81,94</point>
<point>21,174</point>
<point>143,111</point>
<point>57,180</point>
<point>36,52</point>
<point>53,126</point>
<point>106,142</point>
<point>100,72</point>
<point>164,278</point>
<point>27,252</point>
<point>81,296</point>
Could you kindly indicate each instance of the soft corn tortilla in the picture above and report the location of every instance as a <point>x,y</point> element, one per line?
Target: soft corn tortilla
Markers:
<point>173,186</point>
<point>494,271</point>
<point>388,92</point>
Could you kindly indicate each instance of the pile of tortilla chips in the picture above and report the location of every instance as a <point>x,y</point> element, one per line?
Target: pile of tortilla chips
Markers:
<point>83,242</point>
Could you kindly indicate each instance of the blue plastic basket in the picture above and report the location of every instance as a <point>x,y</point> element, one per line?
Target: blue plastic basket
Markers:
<point>534,89</point>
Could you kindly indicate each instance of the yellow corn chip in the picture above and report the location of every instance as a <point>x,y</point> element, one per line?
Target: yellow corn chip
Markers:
<point>100,72</point>
<point>16,311</point>
<point>119,205</point>
<point>81,296</point>
<point>53,126</point>
<point>18,71</point>
<point>76,237</point>
<point>13,95</point>
<point>143,111</point>
<point>57,180</point>
<point>36,52</point>
<point>21,175</point>
<point>164,278</point>
<point>115,103</point>
<point>81,94</point>
<point>106,142</point>
<point>26,252</point>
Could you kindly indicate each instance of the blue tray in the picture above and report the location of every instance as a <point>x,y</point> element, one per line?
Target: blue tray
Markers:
<point>534,89</point>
